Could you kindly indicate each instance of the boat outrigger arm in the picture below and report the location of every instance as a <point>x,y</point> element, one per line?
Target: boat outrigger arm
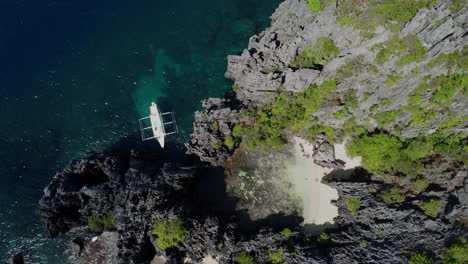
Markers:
<point>158,126</point>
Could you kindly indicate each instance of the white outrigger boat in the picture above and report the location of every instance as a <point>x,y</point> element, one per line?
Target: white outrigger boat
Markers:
<point>157,125</point>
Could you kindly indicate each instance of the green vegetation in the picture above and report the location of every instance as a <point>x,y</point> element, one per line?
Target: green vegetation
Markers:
<point>385,102</point>
<point>457,253</point>
<point>318,5</point>
<point>99,223</point>
<point>367,15</point>
<point>393,196</point>
<point>215,125</point>
<point>409,48</point>
<point>449,123</point>
<point>393,79</point>
<point>290,14</point>
<point>353,205</point>
<point>340,114</point>
<point>264,127</point>
<point>352,128</point>
<point>234,87</point>
<point>215,145</point>
<point>381,152</point>
<point>441,90</point>
<point>229,142</point>
<point>272,70</point>
<point>323,238</point>
<point>385,119</point>
<point>415,71</point>
<point>457,5</point>
<point>363,244</point>
<point>220,245</point>
<point>320,128</point>
<point>350,99</point>
<point>278,257</point>
<point>317,55</point>
<point>351,67</point>
<point>452,61</point>
<point>286,232</point>
<point>169,232</point>
<point>432,207</point>
<point>373,69</point>
<point>237,131</point>
<point>314,5</point>
<point>420,259</point>
<point>244,258</point>
<point>419,185</point>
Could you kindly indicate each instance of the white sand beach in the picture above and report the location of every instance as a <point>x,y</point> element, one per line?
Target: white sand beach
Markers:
<point>306,177</point>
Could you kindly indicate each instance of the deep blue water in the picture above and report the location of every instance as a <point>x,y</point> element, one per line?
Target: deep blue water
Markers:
<point>76,75</point>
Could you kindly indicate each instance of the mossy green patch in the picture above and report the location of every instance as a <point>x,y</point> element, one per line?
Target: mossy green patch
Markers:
<point>316,56</point>
<point>367,15</point>
<point>229,142</point>
<point>265,126</point>
<point>408,48</point>
<point>340,114</point>
<point>394,195</point>
<point>419,185</point>
<point>420,259</point>
<point>99,223</point>
<point>432,207</point>
<point>169,232</point>
<point>244,258</point>
<point>353,204</point>
<point>455,61</point>
<point>277,257</point>
<point>457,253</point>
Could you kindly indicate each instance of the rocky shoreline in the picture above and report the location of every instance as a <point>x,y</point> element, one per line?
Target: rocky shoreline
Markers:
<point>140,188</point>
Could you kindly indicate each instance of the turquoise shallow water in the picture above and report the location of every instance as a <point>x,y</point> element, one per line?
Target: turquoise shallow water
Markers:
<point>75,76</point>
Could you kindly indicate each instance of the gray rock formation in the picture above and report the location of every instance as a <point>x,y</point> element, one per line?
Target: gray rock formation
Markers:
<point>324,156</point>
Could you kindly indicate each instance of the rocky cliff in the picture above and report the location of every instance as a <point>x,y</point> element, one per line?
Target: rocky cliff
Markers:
<point>389,75</point>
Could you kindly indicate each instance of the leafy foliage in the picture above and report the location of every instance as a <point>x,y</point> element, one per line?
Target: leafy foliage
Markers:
<point>441,91</point>
<point>381,152</point>
<point>420,259</point>
<point>317,55</point>
<point>457,253</point>
<point>366,15</point>
<point>320,128</point>
<point>419,185</point>
<point>245,258</point>
<point>229,142</point>
<point>432,207</point>
<point>363,243</point>
<point>393,196</point>
<point>323,238</point>
<point>351,67</point>
<point>170,232</point>
<point>409,47</point>
<point>353,205</point>
<point>277,257</point>
<point>98,223</point>
<point>286,232</point>
<point>264,127</point>
<point>314,5</point>
<point>393,79</point>
<point>457,5</point>
<point>385,119</point>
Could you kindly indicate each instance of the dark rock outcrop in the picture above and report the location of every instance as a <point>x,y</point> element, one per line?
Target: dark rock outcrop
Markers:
<point>131,187</point>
